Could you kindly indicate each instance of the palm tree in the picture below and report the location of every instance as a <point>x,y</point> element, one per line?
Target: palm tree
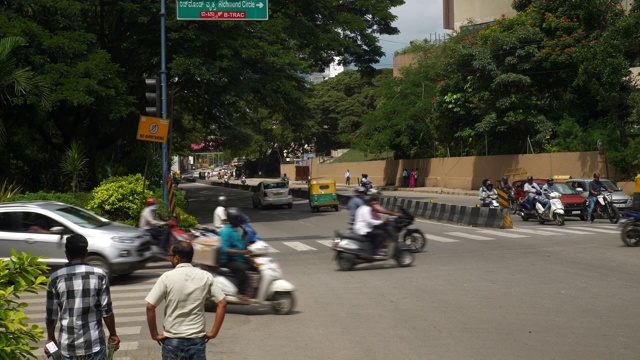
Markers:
<point>74,165</point>
<point>16,82</point>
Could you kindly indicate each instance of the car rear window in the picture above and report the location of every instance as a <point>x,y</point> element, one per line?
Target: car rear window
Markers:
<point>278,185</point>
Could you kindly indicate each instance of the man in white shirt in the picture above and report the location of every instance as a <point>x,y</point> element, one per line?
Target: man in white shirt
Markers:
<point>185,289</point>
<point>532,190</point>
<point>220,214</point>
<point>364,224</point>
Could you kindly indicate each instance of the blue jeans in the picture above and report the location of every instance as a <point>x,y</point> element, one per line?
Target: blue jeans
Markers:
<point>98,355</point>
<point>184,349</point>
<point>592,203</point>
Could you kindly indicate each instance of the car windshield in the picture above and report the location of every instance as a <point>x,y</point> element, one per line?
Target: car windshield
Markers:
<point>564,189</point>
<point>275,185</point>
<point>609,185</point>
<point>81,217</point>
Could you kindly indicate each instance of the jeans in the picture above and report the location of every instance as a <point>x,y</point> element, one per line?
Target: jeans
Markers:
<point>162,236</point>
<point>184,349</point>
<point>592,203</point>
<point>98,355</point>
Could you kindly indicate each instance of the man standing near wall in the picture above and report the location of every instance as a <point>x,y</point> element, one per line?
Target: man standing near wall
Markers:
<point>347,176</point>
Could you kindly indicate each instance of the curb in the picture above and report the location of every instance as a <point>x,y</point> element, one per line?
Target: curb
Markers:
<point>455,214</point>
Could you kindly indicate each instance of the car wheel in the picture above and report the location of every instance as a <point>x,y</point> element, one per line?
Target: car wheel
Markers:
<point>101,263</point>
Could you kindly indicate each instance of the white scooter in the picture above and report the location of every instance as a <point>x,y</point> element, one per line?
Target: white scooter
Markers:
<point>556,210</point>
<point>267,283</point>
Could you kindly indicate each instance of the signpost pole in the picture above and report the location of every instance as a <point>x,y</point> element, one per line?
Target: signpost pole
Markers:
<point>163,87</point>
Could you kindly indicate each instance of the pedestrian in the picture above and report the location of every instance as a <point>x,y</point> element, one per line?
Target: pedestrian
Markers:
<point>185,290</point>
<point>78,295</point>
<point>220,213</point>
<point>412,179</point>
<point>347,176</point>
<point>405,178</point>
<point>415,175</point>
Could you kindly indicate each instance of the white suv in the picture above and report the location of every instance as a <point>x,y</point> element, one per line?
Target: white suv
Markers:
<point>40,228</point>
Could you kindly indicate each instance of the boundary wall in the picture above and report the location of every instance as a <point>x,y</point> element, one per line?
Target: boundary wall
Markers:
<point>464,173</point>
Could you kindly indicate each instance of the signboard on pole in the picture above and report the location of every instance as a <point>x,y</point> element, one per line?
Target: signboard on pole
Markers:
<point>222,10</point>
<point>153,129</point>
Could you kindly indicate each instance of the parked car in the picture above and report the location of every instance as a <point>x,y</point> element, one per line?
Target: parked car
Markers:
<point>574,203</point>
<point>40,228</point>
<point>268,193</point>
<point>621,200</point>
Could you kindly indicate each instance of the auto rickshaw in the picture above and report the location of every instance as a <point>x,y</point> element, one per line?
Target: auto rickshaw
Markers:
<point>322,193</point>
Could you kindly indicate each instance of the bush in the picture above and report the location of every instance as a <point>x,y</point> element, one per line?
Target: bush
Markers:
<point>79,199</point>
<point>19,274</point>
<point>120,198</point>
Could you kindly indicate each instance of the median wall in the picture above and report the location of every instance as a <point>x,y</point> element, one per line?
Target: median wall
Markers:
<point>464,173</point>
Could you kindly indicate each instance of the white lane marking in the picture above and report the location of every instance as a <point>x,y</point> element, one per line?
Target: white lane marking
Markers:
<point>469,236</point>
<point>272,249</point>
<point>577,232</point>
<point>140,309</point>
<point>296,245</point>
<point>536,232</point>
<point>130,330</point>
<point>502,233</point>
<point>129,302</point>
<point>441,239</point>
<point>123,319</point>
<point>603,230</point>
<point>327,243</point>
<point>130,345</point>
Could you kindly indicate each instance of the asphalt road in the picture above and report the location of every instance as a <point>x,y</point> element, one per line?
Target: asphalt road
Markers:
<point>534,292</point>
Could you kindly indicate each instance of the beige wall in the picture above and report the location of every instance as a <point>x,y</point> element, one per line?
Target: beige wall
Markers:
<point>400,61</point>
<point>480,11</point>
<point>465,172</point>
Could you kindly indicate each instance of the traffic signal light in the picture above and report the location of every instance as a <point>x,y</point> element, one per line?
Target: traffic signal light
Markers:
<point>153,97</point>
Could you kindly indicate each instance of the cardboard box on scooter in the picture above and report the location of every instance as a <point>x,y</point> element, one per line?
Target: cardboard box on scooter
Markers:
<point>205,251</point>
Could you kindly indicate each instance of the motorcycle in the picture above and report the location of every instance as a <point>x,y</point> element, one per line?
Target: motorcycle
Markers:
<point>491,201</point>
<point>605,209</point>
<point>525,210</point>
<point>352,249</point>
<point>412,237</point>
<point>556,210</point>
<point>630,228</point>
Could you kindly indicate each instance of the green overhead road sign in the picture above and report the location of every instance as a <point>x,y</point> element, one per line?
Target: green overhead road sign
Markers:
<point>223,10</point>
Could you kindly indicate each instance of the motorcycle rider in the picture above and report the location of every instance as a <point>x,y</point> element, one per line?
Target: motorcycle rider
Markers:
<point>532,190</point>
<point>483,188</point>
<point>365,225</point>
<point>220,214</point>
<point>547,189</point>
<point>149,223</point>
<point>355,202</point>
<point>285,179</point>
<point>595,188</point>
<point>233,250</point>
<point>488,195</point>
<point>366,182</point>
<point>378,209</point>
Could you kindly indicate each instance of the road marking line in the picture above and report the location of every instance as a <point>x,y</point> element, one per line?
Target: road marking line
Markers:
<point>130,330</point>
<point>572,231</point>
<point>272,249</point>
<point>502,233</point>
<point>327,243</point>
<point>298,245</point>
<point>604,230</point>
<point>536,232</point>
<point>441,239</point>
<point>469,236</point>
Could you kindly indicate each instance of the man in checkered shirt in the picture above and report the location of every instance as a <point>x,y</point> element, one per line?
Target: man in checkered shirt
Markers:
<point>79,296</point>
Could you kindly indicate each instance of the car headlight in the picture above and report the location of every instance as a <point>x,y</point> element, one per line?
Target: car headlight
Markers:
<point>122,239</point>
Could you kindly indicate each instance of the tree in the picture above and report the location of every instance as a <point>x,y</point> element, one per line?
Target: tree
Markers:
<point>74,165</point>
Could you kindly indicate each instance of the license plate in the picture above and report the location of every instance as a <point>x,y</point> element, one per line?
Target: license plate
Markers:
<point>618,205</point>
<point>277,194</point>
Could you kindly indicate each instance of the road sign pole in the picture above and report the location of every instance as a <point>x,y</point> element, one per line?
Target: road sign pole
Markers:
<point>163,86</point>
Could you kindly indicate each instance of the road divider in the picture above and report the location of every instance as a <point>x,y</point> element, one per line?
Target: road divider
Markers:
<point>425,209</point>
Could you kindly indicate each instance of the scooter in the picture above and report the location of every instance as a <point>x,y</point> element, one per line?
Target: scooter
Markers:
<point>630,228</point>
<point>352,249</point>
<point>491,202</point>
<point>556,210</point>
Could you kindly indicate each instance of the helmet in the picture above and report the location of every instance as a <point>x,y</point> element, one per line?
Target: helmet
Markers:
<point>150,201</point>
<point>596,174</point>
<point>489,183</point>
<point>360,190</point>
<point>529,178</point>
<point>234,216</point>
<point>172,223</point>
<point>550,180</point>
<point>368,199</point>
<point>222,200</point>
<point>484,182</point>
<point>505,178</point>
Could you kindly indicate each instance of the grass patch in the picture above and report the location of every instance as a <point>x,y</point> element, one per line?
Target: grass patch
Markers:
<point>353,155</point>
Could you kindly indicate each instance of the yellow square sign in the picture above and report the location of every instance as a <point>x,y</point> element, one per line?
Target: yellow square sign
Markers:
<point>153,129</point>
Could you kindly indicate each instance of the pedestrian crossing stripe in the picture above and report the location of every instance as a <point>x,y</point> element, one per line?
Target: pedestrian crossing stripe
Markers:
<point>440,238</point>
<point>468,236</point>
<point>502,233</point>
<point>296,245</point>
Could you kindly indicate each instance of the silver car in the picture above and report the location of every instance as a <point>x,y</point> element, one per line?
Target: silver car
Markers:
<point>621,200</point>
<point>268,193</point>
<point>40,228</point>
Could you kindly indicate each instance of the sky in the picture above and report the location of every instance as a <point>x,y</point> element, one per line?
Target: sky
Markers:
<point>417,20</point>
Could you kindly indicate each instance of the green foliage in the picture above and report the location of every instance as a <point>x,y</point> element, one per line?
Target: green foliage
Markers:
<point>79,199</point>
<point>74,165</point>
<point>18,275</point>
<point>120,198</point>
<point>8,190</point>
<point>354,155</point>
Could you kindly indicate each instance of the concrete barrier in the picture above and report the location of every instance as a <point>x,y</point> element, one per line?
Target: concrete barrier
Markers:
<point>455,214</point>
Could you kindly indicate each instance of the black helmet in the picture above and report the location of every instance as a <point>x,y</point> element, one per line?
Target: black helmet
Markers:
<point>489,183</point>
<point>505,178</point>
<point>550,180</point>
<point>529,178</point>
<point>369,198</point>
<point>234,216</point>
<point>360,190</point>
<point>484,182</point>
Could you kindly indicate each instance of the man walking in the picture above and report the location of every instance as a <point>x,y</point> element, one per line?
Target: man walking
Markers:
<point>79,296</point>
<point>185,289</point>
<point>347,176</point>
<point>220,213</point>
